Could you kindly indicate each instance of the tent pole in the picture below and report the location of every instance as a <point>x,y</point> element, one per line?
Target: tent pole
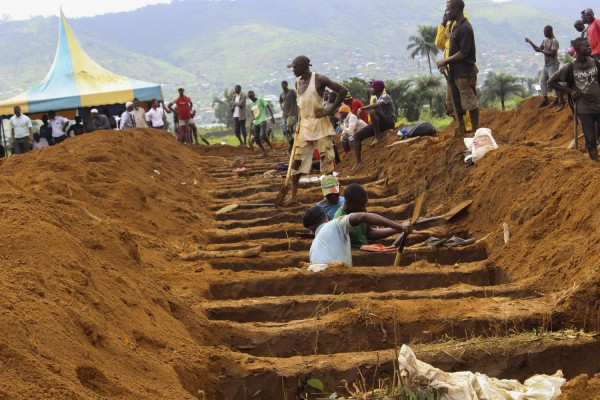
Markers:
<point>3,136</point>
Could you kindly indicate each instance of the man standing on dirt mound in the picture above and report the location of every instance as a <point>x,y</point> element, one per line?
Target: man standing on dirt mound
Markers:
<point>462,75</point>
<point>582,82</point>
<point>593,33</point>
<point>442,42</point>
<point>315,128</point>
<point>549,48</point>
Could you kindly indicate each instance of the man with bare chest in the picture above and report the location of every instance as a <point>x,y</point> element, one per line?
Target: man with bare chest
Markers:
<point>315,129</point>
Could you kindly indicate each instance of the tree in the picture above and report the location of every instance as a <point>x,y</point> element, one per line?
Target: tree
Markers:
<point>359,88</point>
<point>427,87</point>
<point>423,43</point>
<point>499,86</point>
<point>222,111</point>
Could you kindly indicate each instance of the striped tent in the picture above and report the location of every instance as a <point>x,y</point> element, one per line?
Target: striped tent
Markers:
<point>76,81</point>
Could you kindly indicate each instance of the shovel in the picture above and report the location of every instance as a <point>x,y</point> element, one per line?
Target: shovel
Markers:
<point>457,132</point>
<point>449,215</point>
<point>399,243</point>
<point>286,185</point>
<point>575,142</point>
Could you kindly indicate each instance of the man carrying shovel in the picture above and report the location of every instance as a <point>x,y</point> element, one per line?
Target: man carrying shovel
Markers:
<point>462,75</point>
<point>315,128</point>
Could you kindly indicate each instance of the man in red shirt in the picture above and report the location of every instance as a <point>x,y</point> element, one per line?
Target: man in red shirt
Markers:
<point>593,32</point>
<point>184,111</point>
<point>354,105</point>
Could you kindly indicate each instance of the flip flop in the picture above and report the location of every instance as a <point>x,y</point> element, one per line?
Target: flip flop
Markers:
<point>241,169</point>
<point>377,248</point>
<point>434,242</point>
<point>456,241</point>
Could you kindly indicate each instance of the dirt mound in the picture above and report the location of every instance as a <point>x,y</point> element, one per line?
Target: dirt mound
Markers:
<point>546,194</point>
<point>97,304</point>
<point>528,123</point>
<point>89,227</point>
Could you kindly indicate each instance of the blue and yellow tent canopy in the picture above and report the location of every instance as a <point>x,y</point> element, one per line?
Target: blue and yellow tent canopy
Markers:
<point>76,81</point>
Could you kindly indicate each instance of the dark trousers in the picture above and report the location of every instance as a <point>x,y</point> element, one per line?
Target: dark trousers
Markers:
<point>588,125</point>
<point>59,139</point>
<point>21,145</point>
<point>239,127</point>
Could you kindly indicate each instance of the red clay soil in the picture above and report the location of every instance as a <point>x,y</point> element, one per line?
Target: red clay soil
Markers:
<point>95,303</point>
<point>546,194</point>
<point>89,227</point>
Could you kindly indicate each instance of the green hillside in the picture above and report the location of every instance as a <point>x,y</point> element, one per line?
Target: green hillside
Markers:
<point>210,45</point>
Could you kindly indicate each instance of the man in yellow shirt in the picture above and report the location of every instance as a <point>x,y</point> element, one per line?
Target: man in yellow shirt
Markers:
<point>442,42</point>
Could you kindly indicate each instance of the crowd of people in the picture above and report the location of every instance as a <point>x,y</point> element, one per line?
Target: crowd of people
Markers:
<point>56,128</point>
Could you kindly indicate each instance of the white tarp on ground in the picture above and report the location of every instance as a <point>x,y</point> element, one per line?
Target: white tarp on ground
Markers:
<point>475,386</point>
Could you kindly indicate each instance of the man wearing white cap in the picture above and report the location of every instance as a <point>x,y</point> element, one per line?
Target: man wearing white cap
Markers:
<point>127,118</point>
<point>99,122</point>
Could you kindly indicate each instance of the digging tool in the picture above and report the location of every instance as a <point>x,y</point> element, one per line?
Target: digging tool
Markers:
<point>575,142</point>
<point>447,216</point>
<point>226,209</point>
<point>235,206</point>
<point>286,185</point>
<point>399,243</point>
<point>457,132</point>
<point>2,134</point>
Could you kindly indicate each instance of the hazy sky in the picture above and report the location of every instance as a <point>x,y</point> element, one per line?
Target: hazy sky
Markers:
<point>23,9</point>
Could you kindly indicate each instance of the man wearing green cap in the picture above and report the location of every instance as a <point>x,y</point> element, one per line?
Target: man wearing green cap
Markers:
<point>332,201</point>
<point>315,129</point>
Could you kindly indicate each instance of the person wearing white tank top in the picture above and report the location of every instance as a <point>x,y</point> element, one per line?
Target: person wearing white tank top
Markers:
<point>315,129</point>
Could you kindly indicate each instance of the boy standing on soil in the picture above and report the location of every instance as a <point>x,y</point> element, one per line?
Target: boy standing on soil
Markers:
<point>356,200</point>
<point>582,78</point>
<point>258,105</point>
<point>332,241</point>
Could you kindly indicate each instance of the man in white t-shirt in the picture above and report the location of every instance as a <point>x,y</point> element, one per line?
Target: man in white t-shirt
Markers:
<point>332,237</point>
<point>59,126</point>
<point>155,116</point>
<point>21,132</point>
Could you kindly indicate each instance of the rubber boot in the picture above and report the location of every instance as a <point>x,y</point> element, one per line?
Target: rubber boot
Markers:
<point>460,131</point>
<point>593,154</point>
<point>468,126</point>
<point>474,114</point>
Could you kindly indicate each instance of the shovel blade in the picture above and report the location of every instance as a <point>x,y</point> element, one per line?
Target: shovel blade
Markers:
<point>457,209</point>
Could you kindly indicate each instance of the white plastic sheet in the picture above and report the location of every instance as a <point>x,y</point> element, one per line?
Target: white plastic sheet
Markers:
<point>475,386</point>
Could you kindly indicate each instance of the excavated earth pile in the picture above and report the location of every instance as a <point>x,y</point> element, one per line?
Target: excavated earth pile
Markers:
<point>119,280</point>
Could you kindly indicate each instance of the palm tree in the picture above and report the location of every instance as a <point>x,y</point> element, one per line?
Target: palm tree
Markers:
<point>499,86</point>
<point>426,87</point>
<point>423,43</point>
